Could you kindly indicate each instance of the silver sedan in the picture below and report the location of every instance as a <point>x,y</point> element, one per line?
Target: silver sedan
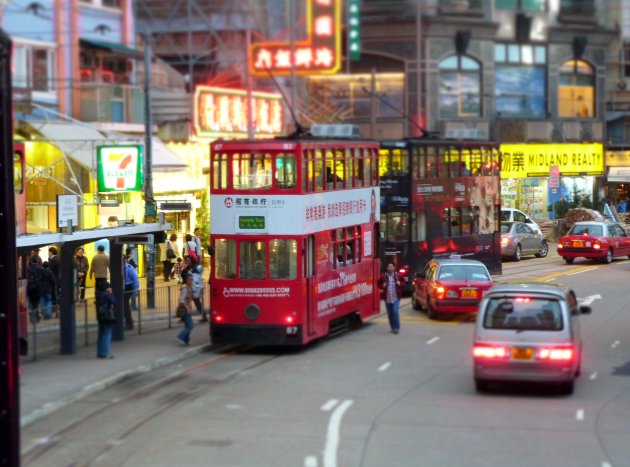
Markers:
<point>518,240</point>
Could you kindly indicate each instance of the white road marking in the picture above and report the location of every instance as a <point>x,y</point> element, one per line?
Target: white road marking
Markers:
<point>233,407</point>
<point>606,464</point>
<point>579,415</point>
<point>310,461</point>
<point>615,344</point>
<point>328,406</point>
<point>580,272</point>
<point>332,436</point>
<point>432,340</point>
<point>587,301</point>
<point>384,366</point>
<point>593,375</point>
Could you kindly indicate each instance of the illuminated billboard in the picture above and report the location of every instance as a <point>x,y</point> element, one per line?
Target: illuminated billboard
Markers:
<point>319,53</point>
<point>223,112</point>
<point>119,168</point>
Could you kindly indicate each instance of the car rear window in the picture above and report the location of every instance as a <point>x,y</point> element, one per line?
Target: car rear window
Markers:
<point>463,273</point>
<point>505,228</point>
<point>595,230</point>
<point>527,314</point>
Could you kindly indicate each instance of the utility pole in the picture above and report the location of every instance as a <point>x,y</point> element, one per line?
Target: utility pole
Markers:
<point>150,207</point>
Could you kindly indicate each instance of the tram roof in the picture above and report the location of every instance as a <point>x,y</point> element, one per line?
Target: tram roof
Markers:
<point>405,142</point>
<point>302,139</point>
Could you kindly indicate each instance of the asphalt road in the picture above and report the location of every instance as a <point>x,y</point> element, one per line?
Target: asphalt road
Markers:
<point>366,398</point>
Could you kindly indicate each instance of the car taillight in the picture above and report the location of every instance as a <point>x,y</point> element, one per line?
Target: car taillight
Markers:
<point>216,317</point>
<point>555,353</point>
<point>522,299</point>
<point>289,319</point>
<point>439,292</point>
<point>490,351</point>
<point>504,240</point>
<point>596,246</point>
<point>402,271</point>
<point>560,246</point>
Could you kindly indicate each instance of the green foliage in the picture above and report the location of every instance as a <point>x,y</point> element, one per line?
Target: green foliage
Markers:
<point>203,218</point>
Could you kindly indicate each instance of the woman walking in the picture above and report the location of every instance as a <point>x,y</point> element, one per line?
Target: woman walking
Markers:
<point>186,300</point>
<point>105,302</point>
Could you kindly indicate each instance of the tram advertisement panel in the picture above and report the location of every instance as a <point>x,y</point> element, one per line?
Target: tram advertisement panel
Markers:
<point>293,215</point>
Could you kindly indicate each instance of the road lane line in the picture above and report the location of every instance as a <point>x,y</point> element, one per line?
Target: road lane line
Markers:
<point>310,461</point>
<point>580,272</point>
<point>328,406</point>
<point>332,436</point>
<point>606,464</point>
<point>615,344</point>
<point>384,366</point>
<point>579,415</point>
<point>432,340</point>
<point>593,375</point>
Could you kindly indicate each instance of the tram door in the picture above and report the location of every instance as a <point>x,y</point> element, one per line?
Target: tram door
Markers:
<point>308,256</point>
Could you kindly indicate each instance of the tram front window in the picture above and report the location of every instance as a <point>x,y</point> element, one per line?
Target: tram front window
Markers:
<point>283,259</point>
<point>253,260</point>
<point>225,259</point>
<point>251,171</point>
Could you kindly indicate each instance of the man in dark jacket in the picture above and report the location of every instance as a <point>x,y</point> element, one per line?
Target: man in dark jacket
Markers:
<point>49,290</point>
<point>82,265</point>
<point>34,288</point>
<point>53,261</point>
<point>390,284</point>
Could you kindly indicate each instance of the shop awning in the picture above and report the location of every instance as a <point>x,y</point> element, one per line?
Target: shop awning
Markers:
<point>79,141</point>
<point>116,49</point>
<point>619,174</point>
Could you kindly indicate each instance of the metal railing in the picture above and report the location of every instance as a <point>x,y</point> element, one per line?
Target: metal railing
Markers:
<point>44,334</point>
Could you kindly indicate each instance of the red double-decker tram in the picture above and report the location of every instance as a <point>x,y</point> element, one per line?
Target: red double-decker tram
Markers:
<point>294,227</point>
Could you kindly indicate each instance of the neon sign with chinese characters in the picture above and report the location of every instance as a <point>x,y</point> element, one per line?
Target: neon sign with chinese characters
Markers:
<point>221,111</point>
<point>320,53</point>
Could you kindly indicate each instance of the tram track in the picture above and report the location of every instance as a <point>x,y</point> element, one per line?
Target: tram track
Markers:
<point>131,412</point>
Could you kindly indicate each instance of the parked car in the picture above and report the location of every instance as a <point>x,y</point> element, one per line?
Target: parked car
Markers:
<point>514,215</point>
<point>596,240</point>
<point>518,240</point>
<point>450,286</point>
<point>528,332</point>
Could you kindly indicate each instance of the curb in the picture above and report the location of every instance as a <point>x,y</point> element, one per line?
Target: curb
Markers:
<point>97,386</point>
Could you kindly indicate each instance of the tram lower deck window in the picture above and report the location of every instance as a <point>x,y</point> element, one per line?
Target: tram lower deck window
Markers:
<point>225,259</point>
<point>283,259</point>
<point>253,260</point>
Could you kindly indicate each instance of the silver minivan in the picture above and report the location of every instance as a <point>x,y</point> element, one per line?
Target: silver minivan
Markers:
<point>528,331</point>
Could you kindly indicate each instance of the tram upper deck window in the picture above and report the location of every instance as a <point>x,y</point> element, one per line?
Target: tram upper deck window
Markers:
<point>219,171</point>
<point>253,260</point>
<point>285,171</point>
<point>225,259</point>
<point>419,162</point>
<point>251,171</point>
<point>283,259</point>
<point>393,162</point>
<point>319,171</point>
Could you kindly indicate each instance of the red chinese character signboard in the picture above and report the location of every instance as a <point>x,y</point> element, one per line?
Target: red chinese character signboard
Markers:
<point>320,53</point>
<point>223,111</point>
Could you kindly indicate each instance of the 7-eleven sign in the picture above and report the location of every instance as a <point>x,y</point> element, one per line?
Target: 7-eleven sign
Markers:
<point>119,168</point>
<point>319,53</point>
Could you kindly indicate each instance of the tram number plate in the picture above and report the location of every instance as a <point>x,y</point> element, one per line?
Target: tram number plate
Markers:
<point>578,243</point>
<point>522,353</point>
<point>292,330</point>
<point>469,293</point>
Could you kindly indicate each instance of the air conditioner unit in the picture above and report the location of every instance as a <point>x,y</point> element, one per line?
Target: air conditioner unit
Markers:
<point>463,133</point>
<point>341,130</point>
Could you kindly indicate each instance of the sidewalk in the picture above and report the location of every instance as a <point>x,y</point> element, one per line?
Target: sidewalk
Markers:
<point>54,382</point>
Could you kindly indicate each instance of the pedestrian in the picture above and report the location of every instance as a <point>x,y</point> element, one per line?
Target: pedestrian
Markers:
<point>34,288</point>
<point>104,298</point>
<point>132,285</point>
<point>179,267</point>
<point>197,240</point>
<point>53,261</point>
<point>190,249</point>
<point>168,256</point>
<point>197,289</point>
<point>130,260</point>
<point>187,269</point>
<point>82,265</point>
<point>35,254</point>
<point>390,284</point>
<point>99,268</point>
<point>186,299</point>
<point>49,288</point>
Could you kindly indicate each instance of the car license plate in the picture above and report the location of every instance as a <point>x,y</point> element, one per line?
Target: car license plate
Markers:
<point>522,353</point>
<point>578,243</point>
<point>469,293</point>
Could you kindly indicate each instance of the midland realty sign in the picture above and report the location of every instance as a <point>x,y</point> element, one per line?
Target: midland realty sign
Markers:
<point>119,168</point>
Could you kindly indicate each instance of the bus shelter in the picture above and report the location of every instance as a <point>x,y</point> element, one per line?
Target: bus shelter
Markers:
<point>117,236</point>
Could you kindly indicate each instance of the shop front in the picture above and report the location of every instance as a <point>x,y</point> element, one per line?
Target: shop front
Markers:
<point>545,180</point>
<point>618,179</point>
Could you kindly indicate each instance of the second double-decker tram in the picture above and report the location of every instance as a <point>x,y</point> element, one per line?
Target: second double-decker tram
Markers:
<point>439,198</point>
<point>295,233</point>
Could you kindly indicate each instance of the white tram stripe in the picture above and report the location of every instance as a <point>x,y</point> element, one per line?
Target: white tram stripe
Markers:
<point>328,406</point>
<point>332,436</point>
<point>384,366</point>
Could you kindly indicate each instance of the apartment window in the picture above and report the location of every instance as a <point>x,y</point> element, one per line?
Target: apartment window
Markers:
<point>520,80</point>
<point>577,7</point>
<point>460,87</point>
<point>34,67</point>
<point>576,90</point>
<point>522,5</point>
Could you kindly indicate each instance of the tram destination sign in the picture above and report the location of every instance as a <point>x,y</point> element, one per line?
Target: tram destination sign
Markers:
<point>251,222</point>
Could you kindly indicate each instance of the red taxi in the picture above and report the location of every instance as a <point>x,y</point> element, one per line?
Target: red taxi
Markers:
<point>597,240</point>
<point>450,286</point>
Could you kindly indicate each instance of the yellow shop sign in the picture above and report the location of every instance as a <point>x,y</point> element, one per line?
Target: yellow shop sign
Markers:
<point>535,160</point>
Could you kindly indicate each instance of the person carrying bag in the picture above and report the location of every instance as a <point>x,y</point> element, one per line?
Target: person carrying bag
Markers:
<point>184,309</point>
<point>106,316</point>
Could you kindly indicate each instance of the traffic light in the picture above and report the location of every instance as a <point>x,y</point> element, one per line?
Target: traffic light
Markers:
<point>354,29</point>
